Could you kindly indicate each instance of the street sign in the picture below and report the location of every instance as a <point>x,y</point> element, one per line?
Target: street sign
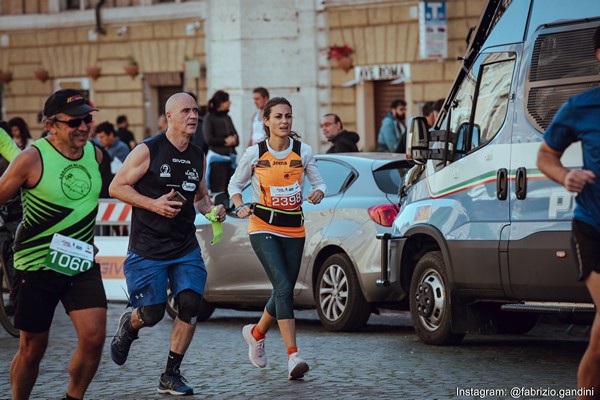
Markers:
<point>433,30</point>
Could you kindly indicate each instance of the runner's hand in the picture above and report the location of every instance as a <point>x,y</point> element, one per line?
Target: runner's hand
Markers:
<point>244,211</point>
<point>576,179</point>
<point>165,207</point>
<point>221,213</point>
<point>315,196</point>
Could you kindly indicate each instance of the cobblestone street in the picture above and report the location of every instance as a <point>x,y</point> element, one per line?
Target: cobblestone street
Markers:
<point>386,361</point>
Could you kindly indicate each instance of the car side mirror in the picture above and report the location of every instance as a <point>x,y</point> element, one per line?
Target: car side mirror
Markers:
<point>417,140</point>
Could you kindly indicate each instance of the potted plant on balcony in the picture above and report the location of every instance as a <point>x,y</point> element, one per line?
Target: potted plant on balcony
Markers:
<point>93,72</point>
<point>41,74</point>
<point>132,69</point>
<point>6,77</point>
<point>342,55</point>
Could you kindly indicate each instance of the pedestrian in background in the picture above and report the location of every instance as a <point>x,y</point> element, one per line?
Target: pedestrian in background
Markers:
<point>431,109</point>
<point>276,167</point>
<point>260,95</point>
<point>60,181</point>
<point>222,139</point>
<point>578,120</point>
<point>20,132</point>
<point>105,171</point>
<point>161,122</point>
<point>107,137</point>
<point>124,133</point>
<point>342,141</point>
<point>163,179</point>
<point>392,132</point>
<point>198,138</point>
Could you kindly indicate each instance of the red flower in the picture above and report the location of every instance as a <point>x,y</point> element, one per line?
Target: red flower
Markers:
<point>337,52</point>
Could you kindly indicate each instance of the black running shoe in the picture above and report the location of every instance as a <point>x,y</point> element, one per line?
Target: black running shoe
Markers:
<point>174,384</point>
<point>121,342</point>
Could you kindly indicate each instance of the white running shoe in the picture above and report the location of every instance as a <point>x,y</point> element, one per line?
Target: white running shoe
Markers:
<point>297,366</point>
<point>256,348</point>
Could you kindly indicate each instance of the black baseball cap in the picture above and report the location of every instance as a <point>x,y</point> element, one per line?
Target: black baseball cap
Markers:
<point>67,101</point>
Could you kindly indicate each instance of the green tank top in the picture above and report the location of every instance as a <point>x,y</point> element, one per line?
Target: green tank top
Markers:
<point>8,148</point>
<point>64,201</point>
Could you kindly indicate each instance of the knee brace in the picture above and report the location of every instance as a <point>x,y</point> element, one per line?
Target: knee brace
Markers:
<point>151,315</point>
<point>188,302</point>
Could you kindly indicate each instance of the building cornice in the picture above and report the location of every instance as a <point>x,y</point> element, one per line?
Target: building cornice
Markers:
<point>157,12</point>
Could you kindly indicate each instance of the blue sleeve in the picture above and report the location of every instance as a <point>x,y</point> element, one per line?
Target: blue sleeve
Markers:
<point>562,132</point>
<point>387,135</point>
<point>122,152</point>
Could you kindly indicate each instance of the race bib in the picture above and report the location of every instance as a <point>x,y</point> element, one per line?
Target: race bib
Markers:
<point>69,256</point>
<point>286,197</point>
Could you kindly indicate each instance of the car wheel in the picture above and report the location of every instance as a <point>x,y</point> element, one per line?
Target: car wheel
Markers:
<point>338,296</point>
<point>204,311</point>
<point>429,302</point>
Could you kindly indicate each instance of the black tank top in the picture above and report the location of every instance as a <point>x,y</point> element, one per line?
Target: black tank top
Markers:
<point>154,236</point>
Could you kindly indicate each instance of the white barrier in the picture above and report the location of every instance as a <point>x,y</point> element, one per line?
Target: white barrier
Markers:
<point>113,220</point>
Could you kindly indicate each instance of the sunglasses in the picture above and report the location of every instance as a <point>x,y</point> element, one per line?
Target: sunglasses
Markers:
<point>76,122</point>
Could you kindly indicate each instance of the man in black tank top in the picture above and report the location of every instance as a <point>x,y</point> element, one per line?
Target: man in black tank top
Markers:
<point>164,180</point>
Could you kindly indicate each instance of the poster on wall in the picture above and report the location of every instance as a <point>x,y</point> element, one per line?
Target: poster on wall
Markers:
<point>433,30</point>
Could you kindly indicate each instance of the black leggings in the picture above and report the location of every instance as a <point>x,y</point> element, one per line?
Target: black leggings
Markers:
<point>281,258</point>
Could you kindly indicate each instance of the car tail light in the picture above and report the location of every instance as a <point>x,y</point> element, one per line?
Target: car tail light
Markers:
<point>384,214</point>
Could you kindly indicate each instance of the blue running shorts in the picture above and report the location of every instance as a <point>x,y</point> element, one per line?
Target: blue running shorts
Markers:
<point>147,280</point>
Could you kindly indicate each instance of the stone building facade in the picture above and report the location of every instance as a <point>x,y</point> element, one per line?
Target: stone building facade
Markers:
<point>201,46</point>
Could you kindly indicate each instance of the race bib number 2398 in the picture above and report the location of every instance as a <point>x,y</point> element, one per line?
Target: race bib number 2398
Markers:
<point>69,256</point>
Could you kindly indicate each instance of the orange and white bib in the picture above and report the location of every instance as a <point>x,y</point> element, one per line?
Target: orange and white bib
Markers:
<point>280,181</point>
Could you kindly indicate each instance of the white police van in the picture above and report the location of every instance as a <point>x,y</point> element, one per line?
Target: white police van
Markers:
<point>482,239</point>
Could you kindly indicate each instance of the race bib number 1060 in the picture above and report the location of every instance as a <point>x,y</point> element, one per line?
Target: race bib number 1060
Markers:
<point>69,256</point>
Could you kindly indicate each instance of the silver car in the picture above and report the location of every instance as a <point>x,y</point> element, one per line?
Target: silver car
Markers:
<point>341,260</point>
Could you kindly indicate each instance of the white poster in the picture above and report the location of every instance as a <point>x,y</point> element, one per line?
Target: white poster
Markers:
<point>433,30</point>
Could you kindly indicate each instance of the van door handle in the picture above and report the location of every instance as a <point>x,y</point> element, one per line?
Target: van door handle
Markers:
<point>521,183</point>
<point>502,184</point>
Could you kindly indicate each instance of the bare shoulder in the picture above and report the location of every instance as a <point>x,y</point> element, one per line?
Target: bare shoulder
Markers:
<point>26,167</point>
<point>136,164</point>
<point>141,150</point>
<point>28,156</point>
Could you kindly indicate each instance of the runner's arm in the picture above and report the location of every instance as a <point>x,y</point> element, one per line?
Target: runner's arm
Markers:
<point>23,171</point>
<point>202,201</point>
<point>549,163</point>
<point>8,148</point>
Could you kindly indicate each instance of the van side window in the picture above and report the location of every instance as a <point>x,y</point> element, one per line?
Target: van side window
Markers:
<point>563,64</point>
<point>485,93</point>
<point>493,97</point>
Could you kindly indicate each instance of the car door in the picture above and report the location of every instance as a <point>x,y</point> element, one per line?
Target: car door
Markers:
<point>234,272</point>
<point>466,207</point>
<point>317,217</point>
<point>542,267</point>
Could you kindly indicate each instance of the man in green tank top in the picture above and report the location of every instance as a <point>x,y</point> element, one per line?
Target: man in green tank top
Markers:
<point>8,148</point>
<point>60,182</point>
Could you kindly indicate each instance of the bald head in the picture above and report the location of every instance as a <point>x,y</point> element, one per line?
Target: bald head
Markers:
<point>182,114</point>
<point>173,101</point>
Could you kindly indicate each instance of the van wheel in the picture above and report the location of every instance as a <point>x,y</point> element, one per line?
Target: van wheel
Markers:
<point>429,301</point>
<point>338,296</point>
<point>205,310</point>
